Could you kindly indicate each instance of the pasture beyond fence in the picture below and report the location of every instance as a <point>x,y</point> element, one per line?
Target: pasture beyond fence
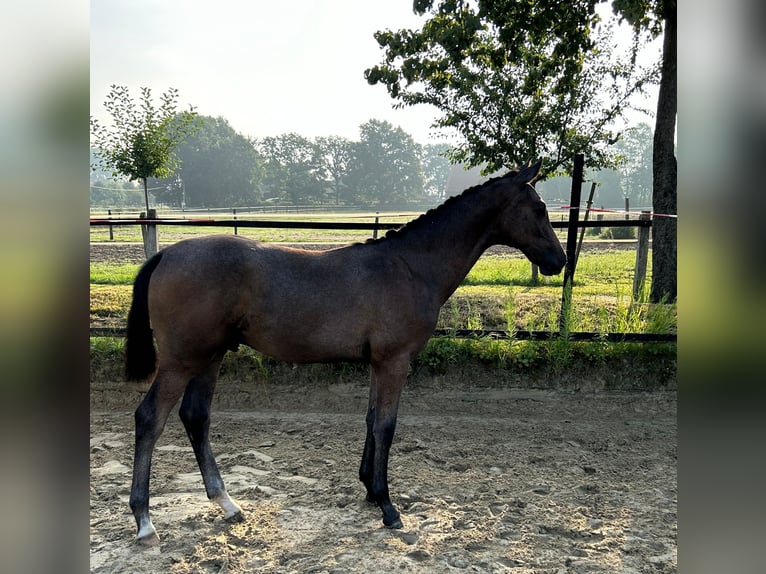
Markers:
<point>149,224</point>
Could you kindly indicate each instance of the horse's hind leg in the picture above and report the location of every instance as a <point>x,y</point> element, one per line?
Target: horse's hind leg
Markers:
<point>195,414</point>
<point>151,416</point>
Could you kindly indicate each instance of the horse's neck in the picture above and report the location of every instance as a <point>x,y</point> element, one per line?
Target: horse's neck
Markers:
<point>444,248</point>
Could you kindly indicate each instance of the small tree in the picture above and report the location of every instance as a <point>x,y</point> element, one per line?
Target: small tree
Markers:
<point>141,142</point>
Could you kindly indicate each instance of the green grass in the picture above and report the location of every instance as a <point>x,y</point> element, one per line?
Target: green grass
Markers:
<point>502,271</point>
<point>113,274</point>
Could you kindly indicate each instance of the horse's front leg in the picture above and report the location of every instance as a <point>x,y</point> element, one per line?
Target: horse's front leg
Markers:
<point>195,415</point>
<point>388,379</point>
<point>368,455</point>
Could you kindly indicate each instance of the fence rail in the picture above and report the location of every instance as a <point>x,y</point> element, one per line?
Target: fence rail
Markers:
<point>272,224</point>
<point>347,225</point>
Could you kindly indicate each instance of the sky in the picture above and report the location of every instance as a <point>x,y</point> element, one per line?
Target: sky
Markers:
<point>268,68</point>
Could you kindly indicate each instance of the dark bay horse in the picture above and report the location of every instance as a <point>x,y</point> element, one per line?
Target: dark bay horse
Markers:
<point>376,302</point>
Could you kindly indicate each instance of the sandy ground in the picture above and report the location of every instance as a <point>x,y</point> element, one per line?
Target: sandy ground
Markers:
<point>488,480</point>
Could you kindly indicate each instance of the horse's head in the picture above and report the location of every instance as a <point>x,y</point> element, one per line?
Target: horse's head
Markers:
<point>523,222</point>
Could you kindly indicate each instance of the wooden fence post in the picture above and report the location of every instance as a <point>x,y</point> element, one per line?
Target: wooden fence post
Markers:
<point>642,256</point>
<point>149,233</point>
<point>599,217</point>
<point>235,219</point>
<point>111,227</point>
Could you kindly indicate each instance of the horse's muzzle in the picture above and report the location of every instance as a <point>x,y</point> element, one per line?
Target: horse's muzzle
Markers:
<point>552,265</point>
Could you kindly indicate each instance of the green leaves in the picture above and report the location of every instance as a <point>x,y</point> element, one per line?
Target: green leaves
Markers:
<point>141,141</point>
<point>386,169</point>
<point>516,79</point>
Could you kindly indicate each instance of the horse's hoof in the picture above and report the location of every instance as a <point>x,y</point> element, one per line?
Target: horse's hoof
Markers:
<point>235,518</point>
<point>149,540</point>
<point>394,523</point>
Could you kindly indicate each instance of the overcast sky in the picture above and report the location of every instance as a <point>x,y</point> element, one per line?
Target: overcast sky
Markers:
<point>269,68</point>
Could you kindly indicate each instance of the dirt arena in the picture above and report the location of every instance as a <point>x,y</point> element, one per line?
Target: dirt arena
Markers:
<point>487,480</point>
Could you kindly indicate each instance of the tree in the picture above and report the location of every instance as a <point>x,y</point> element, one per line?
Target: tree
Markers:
<point>291,170</point>
<point>141,142</point>
<point>520,79</point>
<point>515,79</point>
<point>436,167</point>
<point>386,168</point>
<point>609,192</point>
<point>658,16</point>
<point>334,156</point>
<point>635,163</point>
<point>220,168</point>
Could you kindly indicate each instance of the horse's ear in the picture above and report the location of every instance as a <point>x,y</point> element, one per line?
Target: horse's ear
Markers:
<point>530,173</point>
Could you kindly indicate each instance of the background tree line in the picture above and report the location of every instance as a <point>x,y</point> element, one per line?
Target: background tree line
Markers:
<point>385,168</point>
<point>219,167</point>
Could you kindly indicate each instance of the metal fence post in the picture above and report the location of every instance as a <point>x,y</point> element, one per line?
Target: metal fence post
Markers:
<point>574,216</point>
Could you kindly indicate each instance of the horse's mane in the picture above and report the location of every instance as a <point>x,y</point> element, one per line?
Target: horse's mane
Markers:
<point>448,205</point>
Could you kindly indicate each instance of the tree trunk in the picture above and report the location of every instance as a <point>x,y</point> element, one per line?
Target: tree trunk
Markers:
<point>664,171</point>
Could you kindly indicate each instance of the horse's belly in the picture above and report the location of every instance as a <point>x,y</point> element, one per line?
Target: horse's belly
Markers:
<point>302,345</point>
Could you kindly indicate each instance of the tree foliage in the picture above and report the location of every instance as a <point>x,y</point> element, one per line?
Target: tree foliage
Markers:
<point>635,163</point>
<point>436,167</point>
<point>334,156</point>
<point>515,79</point>
<point>386,170</point>
<point>219,167</point>
<point>141,142</point>
<point>292,170</point>
<point>385,167</point>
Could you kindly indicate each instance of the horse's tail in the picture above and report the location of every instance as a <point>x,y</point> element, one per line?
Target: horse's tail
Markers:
<point>140,355</point>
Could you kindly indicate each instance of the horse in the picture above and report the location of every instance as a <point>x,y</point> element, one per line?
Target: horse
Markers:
<point>376,302</point>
